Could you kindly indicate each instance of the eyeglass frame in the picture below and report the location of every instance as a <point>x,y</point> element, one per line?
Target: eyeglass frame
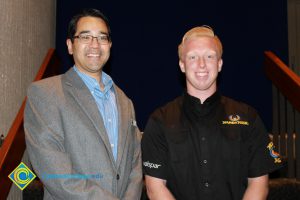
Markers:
<point>92,37</point>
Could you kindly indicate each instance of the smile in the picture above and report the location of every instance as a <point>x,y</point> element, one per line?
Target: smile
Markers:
<point>201,74</point>
<point>93,55</point>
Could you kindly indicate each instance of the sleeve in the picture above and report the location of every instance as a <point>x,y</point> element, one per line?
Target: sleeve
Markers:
<point>263,156</point>
<point>45,144</point>
<point>134,188</point>
<point>154,150</point>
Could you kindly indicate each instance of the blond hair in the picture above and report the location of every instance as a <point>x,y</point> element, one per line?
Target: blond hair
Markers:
<point>201,31</point>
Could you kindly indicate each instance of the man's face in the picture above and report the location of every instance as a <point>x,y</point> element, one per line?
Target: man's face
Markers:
<point>201,63</point>
<point>90,57</point>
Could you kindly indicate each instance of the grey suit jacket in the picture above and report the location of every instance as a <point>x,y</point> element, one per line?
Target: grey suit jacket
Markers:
<point>68,145</point>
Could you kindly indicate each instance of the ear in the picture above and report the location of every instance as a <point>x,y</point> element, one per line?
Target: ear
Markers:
<point>70,46</point>
<point>182,68</point>
<point>220,64</point>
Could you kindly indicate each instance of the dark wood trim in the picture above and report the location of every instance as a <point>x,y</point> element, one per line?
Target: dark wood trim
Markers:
<point>283,78</point>
<point>13,147</point>
<point>297,144</point>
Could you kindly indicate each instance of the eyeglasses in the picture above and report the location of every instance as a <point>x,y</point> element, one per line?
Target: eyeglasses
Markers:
<point>87,39</point>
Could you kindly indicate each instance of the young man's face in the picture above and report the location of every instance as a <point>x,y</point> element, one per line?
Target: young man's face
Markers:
<point>201,64</point>
<point>90,57</point>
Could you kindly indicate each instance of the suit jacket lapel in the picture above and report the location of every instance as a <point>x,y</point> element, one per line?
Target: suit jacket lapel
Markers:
<point>123,111</point>
<point>86,101</point>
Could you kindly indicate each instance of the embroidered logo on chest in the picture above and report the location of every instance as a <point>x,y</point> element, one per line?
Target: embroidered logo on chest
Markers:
<point>235,120</point>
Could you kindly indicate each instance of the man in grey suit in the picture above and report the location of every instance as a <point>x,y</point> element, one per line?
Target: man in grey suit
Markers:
<point>80,128</point>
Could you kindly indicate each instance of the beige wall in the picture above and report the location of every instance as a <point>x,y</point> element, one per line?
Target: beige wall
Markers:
<point>27,31</point>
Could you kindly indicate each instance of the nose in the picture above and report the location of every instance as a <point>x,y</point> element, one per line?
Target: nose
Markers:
<point>94,42</point>
<point>201,62</point>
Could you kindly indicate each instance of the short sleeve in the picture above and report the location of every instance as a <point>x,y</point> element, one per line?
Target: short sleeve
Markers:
<point>263,156</point>
<point>154,150</point>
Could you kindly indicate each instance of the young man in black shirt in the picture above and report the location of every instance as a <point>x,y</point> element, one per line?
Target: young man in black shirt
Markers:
<point>203,145</point>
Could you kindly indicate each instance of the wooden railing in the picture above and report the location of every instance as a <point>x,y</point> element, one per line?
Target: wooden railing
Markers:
<point>13,146</point>
<point>286,112</point>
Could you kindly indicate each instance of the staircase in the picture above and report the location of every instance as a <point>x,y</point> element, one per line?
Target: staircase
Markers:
<point>13,146</point>
<point>286,127</point>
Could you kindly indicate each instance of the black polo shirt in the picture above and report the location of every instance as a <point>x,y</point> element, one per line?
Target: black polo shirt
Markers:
<point>207,151</point>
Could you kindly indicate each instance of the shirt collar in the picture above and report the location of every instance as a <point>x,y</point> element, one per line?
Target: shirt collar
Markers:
<point>194,106</point>
<point>93,84</point>
<point>210,100</point>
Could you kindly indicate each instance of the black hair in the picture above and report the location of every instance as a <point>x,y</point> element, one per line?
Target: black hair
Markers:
<point>90,12</point>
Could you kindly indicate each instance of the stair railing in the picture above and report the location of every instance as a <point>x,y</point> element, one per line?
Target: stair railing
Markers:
<point>13,147</point>
<point>286,112</point>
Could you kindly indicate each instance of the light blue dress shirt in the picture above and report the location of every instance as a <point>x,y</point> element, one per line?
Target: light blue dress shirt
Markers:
<point>106,102</point>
